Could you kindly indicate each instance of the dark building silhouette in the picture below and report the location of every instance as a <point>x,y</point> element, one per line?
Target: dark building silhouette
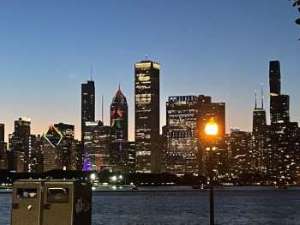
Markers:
<point>59,148</point>
<point>119,117</point>
<point>283,135</point>
<point>147,109</point>
<point>130,157</point>
<point>259,121</point>
<point>279,104</point>
<point>87,104</point>
<point>67,151</point>
<point>19,143</point>
<point>122,157</point>
<point>274,78</point>
<point>2,133</point>
<point>120,148</point>
<point>3,153</point>
<point>219,164</point>
<point>79,155</point>
<point>260,156</point>
<point>35,154</point>
<point>239,145</point>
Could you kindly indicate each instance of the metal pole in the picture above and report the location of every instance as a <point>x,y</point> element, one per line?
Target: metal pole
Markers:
<point>211,208</point>
<point>211,191</point>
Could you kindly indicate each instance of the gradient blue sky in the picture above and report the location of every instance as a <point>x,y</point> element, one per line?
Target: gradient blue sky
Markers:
<point>217,48</point>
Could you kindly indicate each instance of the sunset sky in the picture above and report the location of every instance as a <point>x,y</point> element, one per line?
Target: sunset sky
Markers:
<point>216,48</point>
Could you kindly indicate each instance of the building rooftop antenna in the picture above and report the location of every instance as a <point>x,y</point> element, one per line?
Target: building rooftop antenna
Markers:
<point>102,108</point>
<point>262,95</point>
<point>255,99</point>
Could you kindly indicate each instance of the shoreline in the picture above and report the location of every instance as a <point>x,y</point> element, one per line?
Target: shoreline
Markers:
<point>170,189</point>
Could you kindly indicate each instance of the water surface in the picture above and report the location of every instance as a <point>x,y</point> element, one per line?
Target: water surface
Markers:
<point>236,206</point>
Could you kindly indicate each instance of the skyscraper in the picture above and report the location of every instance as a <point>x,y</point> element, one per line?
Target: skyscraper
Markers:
<point>279,104</point>
<point>259,120</point>
<point>119,117</point>
<point>274,78</point>
<point>119,126</point>
<point>3,153</point>
<point>186,117</point>
<point>284,135</point>
<point>35,154</point>
<point>181,154</point>
<point>87,104</point>
<point>97,145</point>
<point>59,148</point>
<point>51,141</point>
<point>239,144</point>
<point>2,127</point>
<point>147,98</point>
<point>215,111</point>
<point>19,143</point>
<point>259,154</point>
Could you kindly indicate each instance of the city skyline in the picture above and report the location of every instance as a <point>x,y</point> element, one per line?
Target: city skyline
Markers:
<point>57,80</point>
<point>264,97</point>
<point>151,105</point>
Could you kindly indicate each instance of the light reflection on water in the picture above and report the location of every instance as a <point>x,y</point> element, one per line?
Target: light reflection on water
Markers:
<point>243,206</point>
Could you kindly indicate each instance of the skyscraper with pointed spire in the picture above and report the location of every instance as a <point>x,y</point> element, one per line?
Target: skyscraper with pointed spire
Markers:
<point>119,116</point>
<point>119,131</point>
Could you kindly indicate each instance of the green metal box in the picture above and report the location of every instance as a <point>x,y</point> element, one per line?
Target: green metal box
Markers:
<point>51,202</point>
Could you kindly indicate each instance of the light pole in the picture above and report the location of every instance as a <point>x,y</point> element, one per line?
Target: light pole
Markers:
<point>211,131</point>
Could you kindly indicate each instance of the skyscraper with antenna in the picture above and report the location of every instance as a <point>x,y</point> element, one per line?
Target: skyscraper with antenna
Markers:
<point>259,115</point>
<point>259,132</point>
<point>119,116</point>
<point>119,130</point>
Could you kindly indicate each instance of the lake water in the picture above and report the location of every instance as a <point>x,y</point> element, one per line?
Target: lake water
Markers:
<point>235,206</point>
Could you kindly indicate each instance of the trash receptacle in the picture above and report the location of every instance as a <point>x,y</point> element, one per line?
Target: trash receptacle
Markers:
<point>51,202</point>
<point>27,202</point>
<point>66,202</point>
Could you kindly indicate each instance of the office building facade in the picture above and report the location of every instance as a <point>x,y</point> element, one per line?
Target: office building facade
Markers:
<point>20,147</point>
<point>3,152</point>
<point>59,148</point>
<point>87,104</point>
<point>184,151</point>
<point>147,122</point>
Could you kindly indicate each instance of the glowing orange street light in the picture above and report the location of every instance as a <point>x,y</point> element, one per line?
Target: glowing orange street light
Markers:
<point>211,128</point>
